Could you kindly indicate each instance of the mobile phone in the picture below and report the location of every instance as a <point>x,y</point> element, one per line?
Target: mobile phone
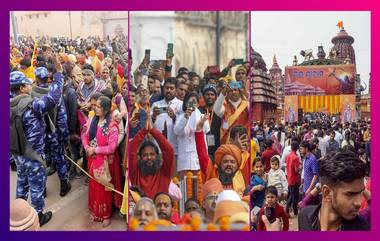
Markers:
<point>169,51</point>
<point>238,61</point>
<point>191,105</point>
<point>270,213</point>
<point>145,81</point>
<point>147,55</point>
<point>136,116</point>
<point>163,110</point>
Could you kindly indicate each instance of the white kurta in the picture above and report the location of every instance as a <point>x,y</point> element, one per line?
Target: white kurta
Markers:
<point>176,105</point>
<point>184,129</point>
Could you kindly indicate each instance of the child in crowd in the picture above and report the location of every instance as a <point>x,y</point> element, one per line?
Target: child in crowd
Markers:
<point>277,178</point>
<point>272,210</point>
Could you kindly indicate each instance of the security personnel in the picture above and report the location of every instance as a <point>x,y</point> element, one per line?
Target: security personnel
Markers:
<point>27,136</point>
<point>57,132</point>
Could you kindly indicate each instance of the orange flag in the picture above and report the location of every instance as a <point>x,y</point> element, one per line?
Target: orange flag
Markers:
<point>340,24</point>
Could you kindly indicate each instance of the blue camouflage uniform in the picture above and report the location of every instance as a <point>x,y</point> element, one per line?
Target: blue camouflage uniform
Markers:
<point>54,148</point>
<point>31,173</point>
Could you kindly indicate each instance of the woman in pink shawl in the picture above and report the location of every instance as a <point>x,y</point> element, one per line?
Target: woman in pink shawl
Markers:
<point>100,137</point>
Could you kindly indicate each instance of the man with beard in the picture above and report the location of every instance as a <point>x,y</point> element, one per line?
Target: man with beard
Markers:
<point>148,169</point>
<point>145,211</point>
<point>227,162</point>
<point>213,136</point>
<point>164,205</point>
<point>231,107</point>
<point>165,111</point>
<point>342,186</point>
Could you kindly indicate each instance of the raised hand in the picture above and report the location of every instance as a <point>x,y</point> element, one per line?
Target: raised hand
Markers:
<point>202,121</point>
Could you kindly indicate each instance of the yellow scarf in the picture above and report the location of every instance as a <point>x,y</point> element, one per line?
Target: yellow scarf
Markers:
<point>238,183</point>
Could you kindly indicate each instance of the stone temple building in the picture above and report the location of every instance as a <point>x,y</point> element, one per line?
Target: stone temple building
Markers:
<point>263,93</point>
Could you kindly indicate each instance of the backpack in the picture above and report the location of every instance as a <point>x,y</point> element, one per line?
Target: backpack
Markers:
<point>17,139</point>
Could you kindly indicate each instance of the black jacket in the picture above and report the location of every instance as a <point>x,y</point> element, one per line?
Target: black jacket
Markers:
<point>71,103</point>
<point>308,221</point>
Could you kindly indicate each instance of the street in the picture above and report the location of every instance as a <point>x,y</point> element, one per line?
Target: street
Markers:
<point>70,213</point>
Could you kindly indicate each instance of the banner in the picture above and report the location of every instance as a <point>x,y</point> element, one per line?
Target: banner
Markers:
<point>320,80</point>
<point>320,103</point>
<point>291,109</point>
<point>347,108</point>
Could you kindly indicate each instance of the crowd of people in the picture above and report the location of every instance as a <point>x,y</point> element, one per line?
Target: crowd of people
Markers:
<point>174,150</point>
<point>68,101</point>
<point>189,146</point>
<point>317,170</point>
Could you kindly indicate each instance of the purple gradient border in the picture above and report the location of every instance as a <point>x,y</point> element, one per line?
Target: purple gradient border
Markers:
<point>196,5</point>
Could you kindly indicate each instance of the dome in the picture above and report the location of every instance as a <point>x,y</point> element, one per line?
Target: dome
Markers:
<point>260,61</point>
<point>342,36</point>
<point>343,45</point>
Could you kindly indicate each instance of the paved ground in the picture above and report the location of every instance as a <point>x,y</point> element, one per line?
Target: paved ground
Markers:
<point>70,212</point>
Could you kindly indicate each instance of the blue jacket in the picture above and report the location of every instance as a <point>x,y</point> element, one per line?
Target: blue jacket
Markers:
<point>33,118</point>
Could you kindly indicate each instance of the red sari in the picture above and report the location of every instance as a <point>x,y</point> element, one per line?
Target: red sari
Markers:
<point>100,200</point>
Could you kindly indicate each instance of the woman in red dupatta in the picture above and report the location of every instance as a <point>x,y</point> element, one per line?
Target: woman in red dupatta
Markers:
<point>100,142</point>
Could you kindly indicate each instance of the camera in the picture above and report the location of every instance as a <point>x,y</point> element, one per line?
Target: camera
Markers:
<point>163,109</point>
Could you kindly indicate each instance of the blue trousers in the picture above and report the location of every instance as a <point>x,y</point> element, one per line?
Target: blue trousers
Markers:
<point>31,176</point>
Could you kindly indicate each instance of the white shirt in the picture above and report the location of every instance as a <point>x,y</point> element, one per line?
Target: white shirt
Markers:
<point>345,143</point>
<point>277,178</point>
<point>176,105</point>
<point>338,137</point>
<point>184,129</point>
<point>323,144</point>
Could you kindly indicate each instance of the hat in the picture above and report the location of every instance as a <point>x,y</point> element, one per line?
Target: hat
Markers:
<point>209,87</point>
<point>276,156</point>
<point>229,195</point>
<point>227,149</point>
<point>135,196</point>
<point>211,186</point>
<point>175,192</point>
<point>92,52</point>
<point>242,217</point>
<point>241,68</point>
<point>19,78</point>
<point>23,216</point>
<point>41,72</point>
<point>228,208</point>
<point>72,59</point>
<point>88,72</point>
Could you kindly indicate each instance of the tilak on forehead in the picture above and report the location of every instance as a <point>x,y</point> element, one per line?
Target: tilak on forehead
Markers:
<point>163,197</point>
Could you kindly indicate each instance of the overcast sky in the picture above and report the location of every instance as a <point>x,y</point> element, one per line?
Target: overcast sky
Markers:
<point>287,33</point>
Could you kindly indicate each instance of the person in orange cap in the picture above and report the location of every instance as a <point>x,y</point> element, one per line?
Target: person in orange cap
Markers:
<point>210,191</point>
<point>227,162</point>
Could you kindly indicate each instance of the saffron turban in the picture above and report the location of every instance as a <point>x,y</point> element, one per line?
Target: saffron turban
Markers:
<point>228,149</point>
